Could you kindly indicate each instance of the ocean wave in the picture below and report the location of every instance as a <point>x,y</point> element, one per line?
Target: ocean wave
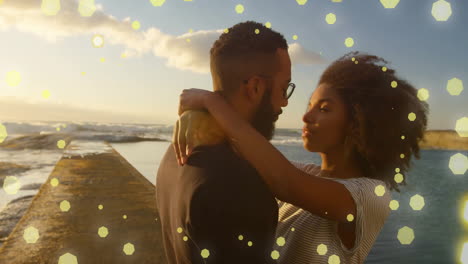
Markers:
<point>292,141</point>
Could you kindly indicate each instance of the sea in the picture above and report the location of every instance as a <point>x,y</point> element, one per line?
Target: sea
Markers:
<point>440,227</point>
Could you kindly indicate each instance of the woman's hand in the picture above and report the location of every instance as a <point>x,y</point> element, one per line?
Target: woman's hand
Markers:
<point>193,99</point>
<point>195,128</point>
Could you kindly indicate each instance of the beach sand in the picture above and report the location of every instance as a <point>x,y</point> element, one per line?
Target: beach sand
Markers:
<point>87,181</point>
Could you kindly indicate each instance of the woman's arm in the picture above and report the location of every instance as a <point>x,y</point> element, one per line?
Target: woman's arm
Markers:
<point>319,196</point>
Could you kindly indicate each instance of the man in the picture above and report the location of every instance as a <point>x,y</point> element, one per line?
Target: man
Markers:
<point>216,208</point>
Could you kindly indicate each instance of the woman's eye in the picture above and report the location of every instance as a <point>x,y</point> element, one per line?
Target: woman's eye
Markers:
<point>326,110</point>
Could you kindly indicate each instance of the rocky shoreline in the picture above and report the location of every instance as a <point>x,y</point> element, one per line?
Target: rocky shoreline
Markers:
<point>443,140</point>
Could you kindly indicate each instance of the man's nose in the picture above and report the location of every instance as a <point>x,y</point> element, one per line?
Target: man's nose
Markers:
<point>284,102</point>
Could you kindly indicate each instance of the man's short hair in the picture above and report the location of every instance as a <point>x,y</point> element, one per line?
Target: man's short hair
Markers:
<point>247,48</point>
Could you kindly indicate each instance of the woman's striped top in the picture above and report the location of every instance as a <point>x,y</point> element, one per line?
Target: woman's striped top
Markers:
<point>304,238</point>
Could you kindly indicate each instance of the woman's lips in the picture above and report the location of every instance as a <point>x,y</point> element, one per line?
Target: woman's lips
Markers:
<point>306,132</point>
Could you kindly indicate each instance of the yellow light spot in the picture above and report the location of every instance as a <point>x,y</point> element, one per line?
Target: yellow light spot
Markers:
<point>405,235</point>
<point>188,40</point>
<point>13,78</point>
<point>402,137</point>
<point>330,18</point>
<point>389,3</point>
<point>68,259</point>
<point>464,254</point>
<point>294,37</point>
<point>356,62</point>
<point>97,41</point>
<point>417,202</point>
<point>61,144</point>
<point>293,229</point>
<point>249,243</point>
<point>349,42</point>
<point>350,217</point>
<point>129,249</point>
<point>179,230</point>
<point>441,10</point>
<point>124,216</point>
<point>411,116</point>
<point>102,231</point>
<point>190,30</point>
<point>239,9</point>
<point>226,30</point>
<point>83,73</point>
<point>394,204</point>
<point>461,127</point>
<point>334,259</point>
<point>280,241</point>
<point>458,164</point>
<point>257,31</point>
<point>123,55</point>
<point>31,234</point>
<point>57,128</point>
<point>102,59</point>
<point>397,169</point>
<point>394,84</point>
<point>54,182</point>
<point>301,2</point>
<point>50,7</point>
<point>384,69</point>
<point>337,1</point>
<point>11,185</point>
<point>268,24</point>
<point>136,25</point>
<point>353,59</point>
<point>454,86</point>
<point>423,94</point>
<point>64,206</point>
<point>205,253</point>
<point>275,254</point>
<point>45,94</point>
<point>86,8</point>
<point>3,133</point>
<point>322,249</point>
<point>402,156</point>
<point>185,238</point>
<point>157,2</point>
<point>465,215</point>
<point>379,190</point>
<point>1,2</point>
<point>100,207</point>
<point>241,237</point>
<point>398,178</point>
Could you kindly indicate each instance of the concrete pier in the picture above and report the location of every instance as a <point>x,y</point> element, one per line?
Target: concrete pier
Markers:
<point>111,216</point>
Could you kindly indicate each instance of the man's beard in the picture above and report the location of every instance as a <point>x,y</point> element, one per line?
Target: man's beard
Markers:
<point>265,117</point>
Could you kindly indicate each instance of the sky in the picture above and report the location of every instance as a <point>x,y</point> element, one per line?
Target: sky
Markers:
<point>138,74</point>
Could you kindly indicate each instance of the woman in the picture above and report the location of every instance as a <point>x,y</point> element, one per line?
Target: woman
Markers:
<point>360,120</point>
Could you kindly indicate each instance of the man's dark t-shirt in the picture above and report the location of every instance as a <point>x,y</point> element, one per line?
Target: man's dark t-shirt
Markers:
<point>219,203</point>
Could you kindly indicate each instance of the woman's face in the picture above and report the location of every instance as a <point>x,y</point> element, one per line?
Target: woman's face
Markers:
<point>325,122</point>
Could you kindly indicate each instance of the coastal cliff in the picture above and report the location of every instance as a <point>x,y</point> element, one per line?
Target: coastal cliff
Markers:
<point>444,139</point>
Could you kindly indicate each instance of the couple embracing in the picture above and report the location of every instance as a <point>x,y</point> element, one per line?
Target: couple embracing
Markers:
<point>225,194</point>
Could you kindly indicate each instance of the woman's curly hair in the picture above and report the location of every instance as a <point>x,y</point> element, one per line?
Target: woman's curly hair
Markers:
<point>381,129</point>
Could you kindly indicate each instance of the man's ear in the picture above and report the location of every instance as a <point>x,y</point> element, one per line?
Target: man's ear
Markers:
<point>255,89</point>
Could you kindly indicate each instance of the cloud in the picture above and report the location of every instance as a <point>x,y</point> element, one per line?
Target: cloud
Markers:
<point>301,56</point>
<point>27,16</point>
<point>17,108</point>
